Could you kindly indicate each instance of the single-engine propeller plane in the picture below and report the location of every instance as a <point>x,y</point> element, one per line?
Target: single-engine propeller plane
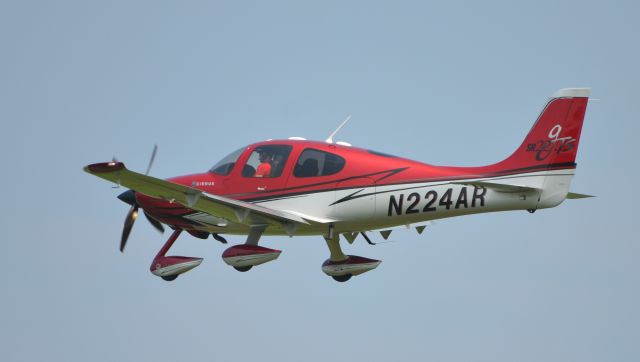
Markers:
<point>331,189</point>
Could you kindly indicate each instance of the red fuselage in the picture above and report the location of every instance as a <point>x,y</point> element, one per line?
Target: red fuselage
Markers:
<point>362,168</point>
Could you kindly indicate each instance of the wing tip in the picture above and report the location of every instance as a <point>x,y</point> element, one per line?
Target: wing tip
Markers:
<point>104,167</point>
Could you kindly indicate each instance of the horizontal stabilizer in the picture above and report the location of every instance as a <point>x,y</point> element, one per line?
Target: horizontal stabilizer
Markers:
<point>573,196</point>
<point>498,187</point>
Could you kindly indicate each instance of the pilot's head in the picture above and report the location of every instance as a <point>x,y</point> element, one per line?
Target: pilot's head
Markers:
<point>264,156</point>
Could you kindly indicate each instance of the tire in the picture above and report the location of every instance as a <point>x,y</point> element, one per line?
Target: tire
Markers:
<point>341,278</point>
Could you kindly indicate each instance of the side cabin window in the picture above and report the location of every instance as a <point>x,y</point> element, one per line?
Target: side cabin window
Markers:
<point>312,163</point>
<point>266,161</point>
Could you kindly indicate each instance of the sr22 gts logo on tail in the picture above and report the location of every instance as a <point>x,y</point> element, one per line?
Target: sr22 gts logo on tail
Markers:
<point>555,143</point>
<point>434,202</point>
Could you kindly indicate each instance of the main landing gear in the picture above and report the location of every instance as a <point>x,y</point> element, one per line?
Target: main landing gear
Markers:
<point>169,267</point>
<point>342,267</point>
<point>245,256</point>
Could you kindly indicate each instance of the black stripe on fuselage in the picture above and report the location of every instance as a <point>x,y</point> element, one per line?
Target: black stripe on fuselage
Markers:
<point>355,196</point>
<point>286,195</point>
<point>386,174</point>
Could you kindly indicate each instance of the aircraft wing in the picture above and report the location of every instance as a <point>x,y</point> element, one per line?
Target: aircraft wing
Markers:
<point>233,210</point>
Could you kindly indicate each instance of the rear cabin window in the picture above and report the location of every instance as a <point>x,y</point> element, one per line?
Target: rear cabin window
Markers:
<point>313,163</point>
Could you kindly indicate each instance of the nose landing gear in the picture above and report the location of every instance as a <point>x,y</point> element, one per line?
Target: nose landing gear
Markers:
<point>169,267</point>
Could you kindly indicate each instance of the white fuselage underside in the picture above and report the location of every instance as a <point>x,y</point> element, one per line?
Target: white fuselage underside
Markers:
<point>386,206</point>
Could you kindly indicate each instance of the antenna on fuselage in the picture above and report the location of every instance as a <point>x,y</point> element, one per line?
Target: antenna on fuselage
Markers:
<point>330,139</point>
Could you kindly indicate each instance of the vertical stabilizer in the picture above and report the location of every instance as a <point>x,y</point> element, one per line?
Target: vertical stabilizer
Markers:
<point>550,148</point>
<point>553,140</point>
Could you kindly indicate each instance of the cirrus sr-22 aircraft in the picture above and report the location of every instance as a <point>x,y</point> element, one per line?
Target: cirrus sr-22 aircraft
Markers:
<point>331,189</point>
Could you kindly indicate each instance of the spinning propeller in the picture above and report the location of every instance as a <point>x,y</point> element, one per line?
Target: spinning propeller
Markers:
<point>129,197</point>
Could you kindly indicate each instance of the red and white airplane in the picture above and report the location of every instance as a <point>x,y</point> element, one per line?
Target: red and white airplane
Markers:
<point>298,187</point>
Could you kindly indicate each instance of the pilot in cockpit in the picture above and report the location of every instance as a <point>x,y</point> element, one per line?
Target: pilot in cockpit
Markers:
<point>264,169</point>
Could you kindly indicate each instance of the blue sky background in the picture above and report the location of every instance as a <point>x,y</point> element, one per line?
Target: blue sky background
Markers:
<point>446,83</point>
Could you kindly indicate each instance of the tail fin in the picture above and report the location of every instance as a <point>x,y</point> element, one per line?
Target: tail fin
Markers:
<point>553,140</point>
<point>551,145</point>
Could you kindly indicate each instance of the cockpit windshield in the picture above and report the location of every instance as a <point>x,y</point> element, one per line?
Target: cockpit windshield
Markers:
<point>224,166</point>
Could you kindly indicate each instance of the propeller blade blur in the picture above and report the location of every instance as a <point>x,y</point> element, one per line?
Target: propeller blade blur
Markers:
<point>156,224</point>
<point>153,157</point>
<point>128,224</point>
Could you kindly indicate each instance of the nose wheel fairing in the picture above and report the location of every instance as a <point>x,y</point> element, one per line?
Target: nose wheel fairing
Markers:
<point>169,267</point>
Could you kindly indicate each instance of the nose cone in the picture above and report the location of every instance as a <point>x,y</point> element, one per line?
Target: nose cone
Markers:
<point>129,197</point>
